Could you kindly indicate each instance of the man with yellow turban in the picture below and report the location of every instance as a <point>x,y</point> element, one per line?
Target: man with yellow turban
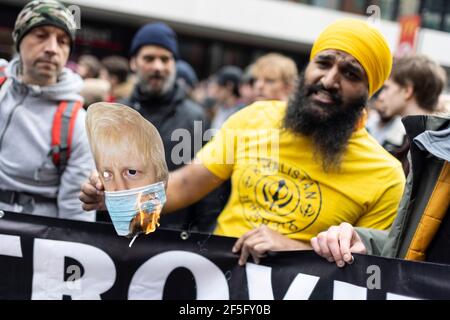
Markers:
<point>298,168</point>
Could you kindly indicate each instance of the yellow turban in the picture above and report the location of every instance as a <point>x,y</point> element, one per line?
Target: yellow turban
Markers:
<point>362,41</point>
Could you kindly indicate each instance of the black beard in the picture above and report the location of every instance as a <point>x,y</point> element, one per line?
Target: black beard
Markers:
<point>329,126</point>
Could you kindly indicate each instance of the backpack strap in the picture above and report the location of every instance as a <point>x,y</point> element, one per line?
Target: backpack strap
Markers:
<point>62,132</point>
<point>2,75</point>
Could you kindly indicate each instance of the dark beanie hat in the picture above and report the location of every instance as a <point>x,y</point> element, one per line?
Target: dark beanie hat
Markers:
<point>228,74</point>
<point>158,34</point>
<point>186,72</point>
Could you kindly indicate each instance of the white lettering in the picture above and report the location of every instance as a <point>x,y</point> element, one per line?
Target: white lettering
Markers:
<point>10,246</point>
<point>347,291</point>
<point>48,278</point>
<point>259,281</point>
<point>149,280</point>
<point>393,296</point>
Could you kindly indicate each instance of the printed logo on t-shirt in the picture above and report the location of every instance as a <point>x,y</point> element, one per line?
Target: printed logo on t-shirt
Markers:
<point>283,197</point>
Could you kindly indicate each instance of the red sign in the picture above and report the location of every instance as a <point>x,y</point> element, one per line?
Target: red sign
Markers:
<point>410,26</point>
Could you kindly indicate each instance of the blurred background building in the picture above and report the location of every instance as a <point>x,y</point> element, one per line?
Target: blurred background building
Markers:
<point>214,33</point>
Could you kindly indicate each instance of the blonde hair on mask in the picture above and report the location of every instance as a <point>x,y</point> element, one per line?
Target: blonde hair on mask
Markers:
<point>114,129</point>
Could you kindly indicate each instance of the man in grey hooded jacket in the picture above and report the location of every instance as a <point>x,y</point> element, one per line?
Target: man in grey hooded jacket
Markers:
<point>420,230</point>
<point>37,82</point>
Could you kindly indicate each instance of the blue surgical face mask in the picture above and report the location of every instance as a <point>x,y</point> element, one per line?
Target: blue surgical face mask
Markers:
<point>123,206</point>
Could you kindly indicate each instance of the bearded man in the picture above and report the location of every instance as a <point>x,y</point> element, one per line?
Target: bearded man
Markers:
<point>162,101</point>
<point>300,167</point>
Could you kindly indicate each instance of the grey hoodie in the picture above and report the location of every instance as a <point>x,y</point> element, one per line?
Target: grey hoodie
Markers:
<point>435,142</point>
<point>26,119</point>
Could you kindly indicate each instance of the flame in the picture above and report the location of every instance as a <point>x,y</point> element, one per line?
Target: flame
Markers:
<point>148,220</point>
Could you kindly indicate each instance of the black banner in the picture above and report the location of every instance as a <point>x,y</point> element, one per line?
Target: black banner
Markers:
<point>43,258</point>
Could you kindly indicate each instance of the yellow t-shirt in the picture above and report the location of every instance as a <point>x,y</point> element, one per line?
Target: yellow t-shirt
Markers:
<point>277,181</point>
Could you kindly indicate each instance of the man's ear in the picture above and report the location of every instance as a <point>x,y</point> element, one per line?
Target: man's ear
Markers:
<point>409,91</point>
<point>133,64</point>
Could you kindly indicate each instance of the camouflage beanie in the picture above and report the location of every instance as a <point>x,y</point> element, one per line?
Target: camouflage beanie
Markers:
<point>43,12</point>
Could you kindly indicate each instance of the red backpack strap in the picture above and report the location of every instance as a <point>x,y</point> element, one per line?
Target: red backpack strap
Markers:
<point>2,75</point>
<point>62,132</point>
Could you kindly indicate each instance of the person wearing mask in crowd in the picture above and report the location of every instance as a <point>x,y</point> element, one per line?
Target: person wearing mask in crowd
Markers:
<point>323,167</point>
<point>40,166</point>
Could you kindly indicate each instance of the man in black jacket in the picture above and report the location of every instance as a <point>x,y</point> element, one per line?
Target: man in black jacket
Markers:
<point>179,120</point>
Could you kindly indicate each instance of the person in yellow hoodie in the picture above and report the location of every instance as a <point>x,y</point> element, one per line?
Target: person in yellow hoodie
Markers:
<point>300,167</point>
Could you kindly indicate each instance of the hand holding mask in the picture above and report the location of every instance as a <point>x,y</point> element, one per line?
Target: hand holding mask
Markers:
<point>129,156</point>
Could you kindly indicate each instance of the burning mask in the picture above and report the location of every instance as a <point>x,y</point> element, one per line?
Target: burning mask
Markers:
<point>136,211</point>
<point>130,159</point>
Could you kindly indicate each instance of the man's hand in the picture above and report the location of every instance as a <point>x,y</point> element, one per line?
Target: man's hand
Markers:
<point>262,239</point>
<point>338,243</point>
<point>92,195</point>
